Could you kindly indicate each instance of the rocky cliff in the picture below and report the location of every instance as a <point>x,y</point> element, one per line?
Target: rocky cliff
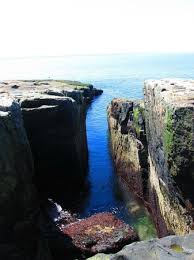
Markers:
<point>128,143</point>
<point>43,142</point>
<point>20,236</point>
<point>160,170</point>
<point>169,113</point>
<point>54,119</point>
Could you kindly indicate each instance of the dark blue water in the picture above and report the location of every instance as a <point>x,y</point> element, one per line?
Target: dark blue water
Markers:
<point>118,76</point>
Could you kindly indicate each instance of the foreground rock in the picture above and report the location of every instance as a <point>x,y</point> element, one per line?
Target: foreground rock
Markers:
<point>169,115</point>
<point>168,248</point>
<point>102,232</point>
<point>128,143</point>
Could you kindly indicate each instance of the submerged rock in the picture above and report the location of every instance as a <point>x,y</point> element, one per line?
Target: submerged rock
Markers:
<point>102,232</point>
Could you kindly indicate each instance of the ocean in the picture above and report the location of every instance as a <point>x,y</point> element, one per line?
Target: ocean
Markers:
<point>119,76</point>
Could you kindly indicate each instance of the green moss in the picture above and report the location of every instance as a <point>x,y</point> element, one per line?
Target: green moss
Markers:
<point>137,112</point>
<point>178,141</point>
<point>76,84</point>
<point>145,228</point>
<point>168,133</point>
<point>177,248</point>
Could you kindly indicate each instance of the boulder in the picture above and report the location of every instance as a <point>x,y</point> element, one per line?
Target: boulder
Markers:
<point>102,232</point>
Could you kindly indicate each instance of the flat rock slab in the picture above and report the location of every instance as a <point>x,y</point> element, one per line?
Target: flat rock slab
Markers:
<point>167,248</point>
<point>102,232</point>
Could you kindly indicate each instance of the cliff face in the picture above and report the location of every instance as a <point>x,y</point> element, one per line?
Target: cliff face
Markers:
<point>19,214</point>
<point>54,119</point>
<point>128,143</point>
<point>16,164</point>
<point>167,184</point>
<point>41,122</point>
<point>169,113</point>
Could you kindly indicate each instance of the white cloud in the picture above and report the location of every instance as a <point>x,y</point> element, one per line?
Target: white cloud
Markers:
<point>59,27</point>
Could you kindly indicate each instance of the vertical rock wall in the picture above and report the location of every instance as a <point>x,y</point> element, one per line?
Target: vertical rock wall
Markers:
<point>54,114</point>
<point>56,130</point>
<point>128,143</point>
<point>169,113</point>
<point>19,207</point>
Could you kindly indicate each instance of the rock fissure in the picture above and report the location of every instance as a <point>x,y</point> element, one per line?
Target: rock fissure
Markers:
<point>42,126</point>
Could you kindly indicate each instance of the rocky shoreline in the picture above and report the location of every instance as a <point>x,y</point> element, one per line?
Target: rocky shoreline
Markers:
<point>44,150</point>
<point>163,176</point>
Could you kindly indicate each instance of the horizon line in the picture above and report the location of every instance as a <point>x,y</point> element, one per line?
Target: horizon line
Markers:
<point>96,54</point>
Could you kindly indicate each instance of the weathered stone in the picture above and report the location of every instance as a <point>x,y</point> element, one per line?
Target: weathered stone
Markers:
<point>169,113</point>
<point>168,248</point>
<point>20,236</point>
<point>128,143</point>
<point>16,166</point>
<point>54,118</point>
<point>102,232</point>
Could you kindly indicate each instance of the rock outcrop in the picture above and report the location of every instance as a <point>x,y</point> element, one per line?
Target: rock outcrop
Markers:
<point>54,119</point>
<point>128,143</point>
<point>20,236</point>
<point>168,248</point>
<point>166,185</point>
<point>41,122</point>
<point>169,115</point>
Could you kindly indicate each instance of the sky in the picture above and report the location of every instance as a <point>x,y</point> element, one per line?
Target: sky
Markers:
<point>65,27</point>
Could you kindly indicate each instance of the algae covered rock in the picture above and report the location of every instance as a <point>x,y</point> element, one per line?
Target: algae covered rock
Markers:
<point>169,113</point>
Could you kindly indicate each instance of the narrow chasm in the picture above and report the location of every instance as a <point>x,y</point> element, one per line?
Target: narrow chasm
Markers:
<point>81,207</point>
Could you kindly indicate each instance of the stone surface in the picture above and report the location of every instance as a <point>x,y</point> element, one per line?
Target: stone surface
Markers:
<point>168,248</point>
<point>102,232</point>
<point>169,114</point>
<point>128,143</point>
<point>54,114</point>
<point>20,236</point>
<point>54,117</point>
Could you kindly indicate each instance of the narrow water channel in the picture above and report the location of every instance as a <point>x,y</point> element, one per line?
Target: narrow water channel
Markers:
<point>104,193</point>
<point>119,76</point>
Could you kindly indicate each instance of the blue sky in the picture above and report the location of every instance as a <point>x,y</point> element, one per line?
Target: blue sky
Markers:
<point>60,27</point>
